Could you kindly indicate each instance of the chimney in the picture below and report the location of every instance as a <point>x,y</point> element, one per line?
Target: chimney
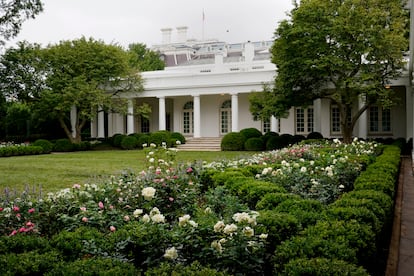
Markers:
<point>248,51</point>
<point>166,35</point>
<point>182,34</point>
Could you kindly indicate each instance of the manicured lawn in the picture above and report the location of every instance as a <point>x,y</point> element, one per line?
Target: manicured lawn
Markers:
<point>61,170</point>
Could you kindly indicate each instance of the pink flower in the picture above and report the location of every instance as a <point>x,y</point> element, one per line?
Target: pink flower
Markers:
<point>22,230</point>
<point>16,208</point>
<point>111,207</point>
<point>101,205</point>
<point>18,216</point>
<point>127,218</point>
<point>76,186</point>
<point>30,224</point>
<point>171,199</point>
<point>14,232</point>
<point>1,209</point>
<point>112,228</point>
<point>83,209</point>
<point>189,170</point>
<point>85,219</point>
<point>31,210</point>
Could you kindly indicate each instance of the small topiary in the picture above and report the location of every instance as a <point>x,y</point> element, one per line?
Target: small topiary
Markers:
<point>46,145</point>
<point>178,137</point>
<point>254,144</point>
<point>314,135</point>
<point>274,143</point>
<point>63,145</point>
<point>129,142</point>
<point>118,139</point>
<point>159,137</point>
<point>233,141</point>
<point>268,135</point>
<point>250,133</point>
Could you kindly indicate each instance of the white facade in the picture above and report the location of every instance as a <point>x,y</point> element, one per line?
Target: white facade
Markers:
<point>205,93</point>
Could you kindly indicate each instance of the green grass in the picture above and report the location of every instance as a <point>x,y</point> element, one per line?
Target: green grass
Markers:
<point>61,170</point>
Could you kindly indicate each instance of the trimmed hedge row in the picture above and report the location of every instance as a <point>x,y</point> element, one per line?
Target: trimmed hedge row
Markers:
<point>308,237</point>
<point>20,150</point>
<point>137,140</point>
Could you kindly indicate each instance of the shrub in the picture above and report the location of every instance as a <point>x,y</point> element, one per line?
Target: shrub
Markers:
<point>118,139</point>
<point>144,139</point>
<point>46,145</point>
<point>63,145</point>
<point>272,200</point>
<point>129,142</point>
<point>82,146</point>
<point>95,266</point>
<point>250,133</point>
<point>254,144</point>
<point>274,143</point>
<point>268,135</point>
<point>195,269</point>
<point>233,141</point>
<point>297,139</point>
<point>29,263</point>
<point>314,135</point>
<point>23,243</point>
<point>178,137</point>
<point>322,266</point>
<point>159,137</point>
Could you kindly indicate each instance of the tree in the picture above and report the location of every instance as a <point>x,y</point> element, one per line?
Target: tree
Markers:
<point>21,74</point>
<point>342,50</point>
<point>144,59</point>
<point>13,13</point>
<point>84,76</point>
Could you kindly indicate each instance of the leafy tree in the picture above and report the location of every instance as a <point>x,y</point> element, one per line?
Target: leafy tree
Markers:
<point>13,13</point>
<point>342,50</point>
<point>88,75</point>
<point>21,74</point>
<point>143,58</point>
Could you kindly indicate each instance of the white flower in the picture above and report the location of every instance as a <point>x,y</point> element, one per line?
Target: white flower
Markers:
<point>145,145</point>
<point>263,236</point>
<point>217,246</point>
<point>248,231</point>
<point>154,211</point>
<point>151,160</point>
<point>229,229</point>
<point>178,142</point>
<point>171,253</point>
<point>146,218</point>
<point>219,226</point>
<point>152,145</point>
<point>303,169</point>
<point>193,223</point>
<point>341,186</point>
<point>148,193</point>
<point>138,212</point>
<point>182,221</point>
<point>241,217</point>
<point>208,210</point>
<point>158,218</point>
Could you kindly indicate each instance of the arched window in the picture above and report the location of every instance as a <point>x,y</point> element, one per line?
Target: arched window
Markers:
<point>225,117</point>
<point>188,118</point>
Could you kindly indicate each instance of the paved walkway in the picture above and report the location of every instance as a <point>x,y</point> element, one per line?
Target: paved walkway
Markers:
<point>401,254</point>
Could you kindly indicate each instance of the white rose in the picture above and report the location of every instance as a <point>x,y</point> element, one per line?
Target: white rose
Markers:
<point>148,193</point>
<point>171,253</point>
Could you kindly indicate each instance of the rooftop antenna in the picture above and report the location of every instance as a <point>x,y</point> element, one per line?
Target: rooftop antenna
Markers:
<point>202,26</point>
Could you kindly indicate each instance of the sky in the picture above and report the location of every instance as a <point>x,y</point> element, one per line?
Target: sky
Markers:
<point>140,21</point>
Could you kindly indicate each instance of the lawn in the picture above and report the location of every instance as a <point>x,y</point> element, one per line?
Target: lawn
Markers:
<point>61,170</point>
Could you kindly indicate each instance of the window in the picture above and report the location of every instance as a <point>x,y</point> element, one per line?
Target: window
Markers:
<point>225,117</point>
<point>335,119</point>
<point>188,118</point>
<point>379,119</point>
<point>266,126</point>
<point>304,120</point>
<point>145,125</point>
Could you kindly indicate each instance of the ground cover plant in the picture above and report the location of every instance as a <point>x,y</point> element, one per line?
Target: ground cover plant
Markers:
<point>175,215</point>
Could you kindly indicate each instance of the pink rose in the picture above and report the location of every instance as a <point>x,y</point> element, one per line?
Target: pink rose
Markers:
<point>85,219</point>
<point>31,210</point>
<point>16,208</point>
<point>14,232</point>
<point>101,205</point>
<point>112,228</point>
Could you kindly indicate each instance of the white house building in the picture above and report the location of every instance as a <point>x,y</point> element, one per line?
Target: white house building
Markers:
<point>204,91</point>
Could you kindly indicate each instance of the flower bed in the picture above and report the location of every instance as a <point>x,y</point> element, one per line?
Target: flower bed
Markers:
<point>246,216</point>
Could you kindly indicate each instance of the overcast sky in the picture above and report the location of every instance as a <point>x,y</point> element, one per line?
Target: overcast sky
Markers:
<point>139,21</point>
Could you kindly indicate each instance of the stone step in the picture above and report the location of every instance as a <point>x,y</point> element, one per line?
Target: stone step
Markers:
<point>201,144</point>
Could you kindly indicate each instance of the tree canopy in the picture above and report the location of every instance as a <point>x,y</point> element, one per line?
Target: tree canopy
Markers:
<point>342,50</point>
<point>143,58</point>
<point>13,13</point>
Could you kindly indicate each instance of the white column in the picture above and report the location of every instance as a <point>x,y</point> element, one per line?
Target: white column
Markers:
<point>197,116</point>
<point>273,124</point>
<point>234,112</point>
<point>317,116</point>
<point>130,117</point>
<point>73,116</point>
<point>161,113</point>
<point>94,130</point>
<point>362,121</point>
<point>101,123</point>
